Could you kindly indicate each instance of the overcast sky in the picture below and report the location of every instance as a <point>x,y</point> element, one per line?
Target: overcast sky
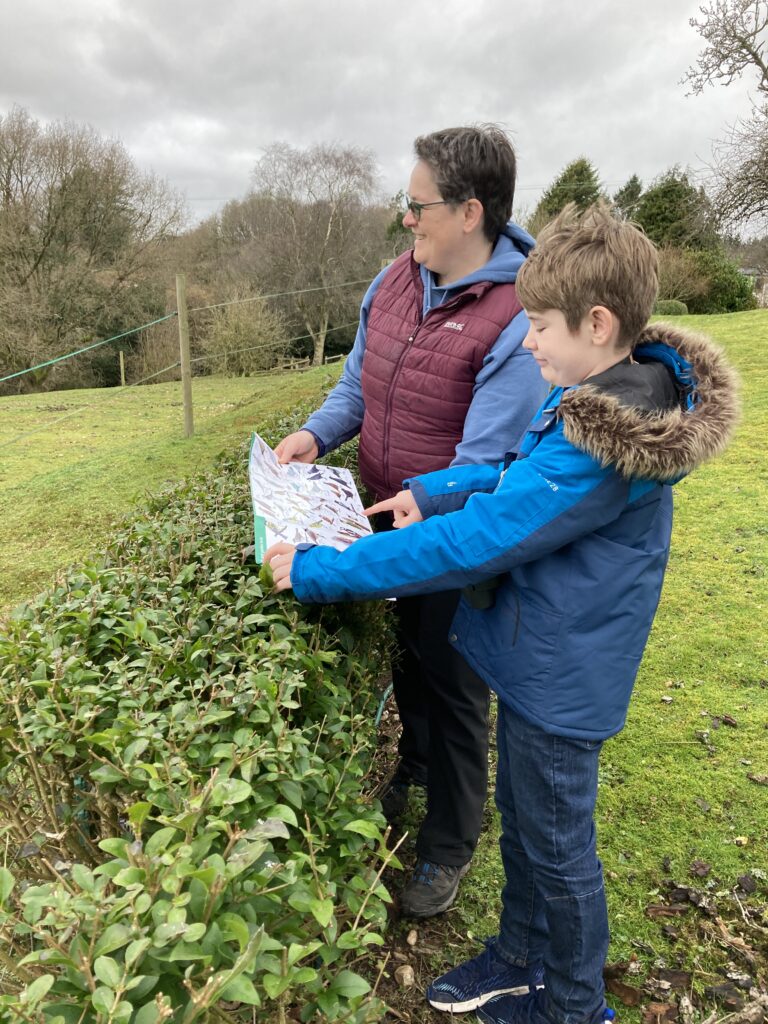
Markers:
<point>196,90</point>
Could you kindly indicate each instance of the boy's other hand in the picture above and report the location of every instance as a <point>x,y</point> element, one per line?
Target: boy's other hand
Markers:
<point>280,559</point>
<point>403,507</point>
<point>298,447</point>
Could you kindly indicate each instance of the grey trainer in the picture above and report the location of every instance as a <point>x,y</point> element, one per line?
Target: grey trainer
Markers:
<point>432,889</point>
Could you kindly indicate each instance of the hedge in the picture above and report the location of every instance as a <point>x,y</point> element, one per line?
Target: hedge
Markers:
<point>182,784</point>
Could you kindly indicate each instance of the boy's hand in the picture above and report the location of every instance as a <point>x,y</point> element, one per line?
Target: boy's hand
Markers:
<point>280,559</point>
<point>403,506</point>
<point>298,447</point>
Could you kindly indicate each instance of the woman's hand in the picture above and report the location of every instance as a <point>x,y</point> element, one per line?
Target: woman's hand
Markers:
<point>298,447</point>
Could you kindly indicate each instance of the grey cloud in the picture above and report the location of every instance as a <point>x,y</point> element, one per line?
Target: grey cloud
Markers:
<point>197,91</point>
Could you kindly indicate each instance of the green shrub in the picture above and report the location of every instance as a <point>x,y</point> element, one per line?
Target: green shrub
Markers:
<point>244,337</point>
<point>181,784</point>
<point>728,290</point>
<point>670,307</point>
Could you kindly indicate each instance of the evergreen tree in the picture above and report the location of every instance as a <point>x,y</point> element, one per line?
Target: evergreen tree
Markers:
<point>674,212</point>
<point>577,183</point>
<point>628,196</point>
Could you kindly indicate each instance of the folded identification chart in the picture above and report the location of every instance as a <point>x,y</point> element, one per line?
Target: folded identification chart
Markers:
<point>301,503</point>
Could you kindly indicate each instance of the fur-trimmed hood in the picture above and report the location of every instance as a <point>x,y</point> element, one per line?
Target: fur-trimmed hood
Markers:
<point>668,444</point>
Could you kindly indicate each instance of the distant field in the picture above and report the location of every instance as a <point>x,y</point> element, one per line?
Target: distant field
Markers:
<point>99,451</point>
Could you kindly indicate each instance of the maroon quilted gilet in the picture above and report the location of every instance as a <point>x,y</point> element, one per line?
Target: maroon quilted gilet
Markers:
<point>418,374</point>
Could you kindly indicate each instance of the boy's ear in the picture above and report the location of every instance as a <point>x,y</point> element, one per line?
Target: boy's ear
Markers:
<point>604,326</point>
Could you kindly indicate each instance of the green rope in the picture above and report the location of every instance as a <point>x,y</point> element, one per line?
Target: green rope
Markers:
<point>195,309</point>
<point>279,295</point>
<point>380,711</point>
<point>96,344</point>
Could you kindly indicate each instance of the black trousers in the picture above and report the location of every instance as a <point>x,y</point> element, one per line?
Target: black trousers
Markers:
<point>443,708</point>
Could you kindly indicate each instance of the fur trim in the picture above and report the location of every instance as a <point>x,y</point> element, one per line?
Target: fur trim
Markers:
<point>668,445</point>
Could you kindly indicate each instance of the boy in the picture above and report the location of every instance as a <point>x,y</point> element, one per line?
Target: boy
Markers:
<point>577,528</point>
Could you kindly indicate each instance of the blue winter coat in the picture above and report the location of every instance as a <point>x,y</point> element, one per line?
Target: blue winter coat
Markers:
<point>578,527</point>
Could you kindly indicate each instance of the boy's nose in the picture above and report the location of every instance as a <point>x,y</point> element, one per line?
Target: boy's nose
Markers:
<point>528,340</point>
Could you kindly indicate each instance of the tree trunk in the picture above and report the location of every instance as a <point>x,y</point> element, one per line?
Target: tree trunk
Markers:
<point>318,340</point>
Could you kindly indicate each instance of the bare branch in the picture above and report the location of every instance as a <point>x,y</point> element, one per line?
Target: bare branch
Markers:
<point>741,165</point>
<point>736,37</point>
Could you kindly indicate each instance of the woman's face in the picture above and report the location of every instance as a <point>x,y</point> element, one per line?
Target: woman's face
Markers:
<point>438,233</point>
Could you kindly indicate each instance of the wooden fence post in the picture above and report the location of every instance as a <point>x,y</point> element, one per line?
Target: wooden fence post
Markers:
<point>122,369</point>
<point>186,369</point>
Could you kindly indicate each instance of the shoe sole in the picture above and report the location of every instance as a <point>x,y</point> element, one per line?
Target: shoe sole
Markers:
<point>434,911</point>
<point>486,997</point>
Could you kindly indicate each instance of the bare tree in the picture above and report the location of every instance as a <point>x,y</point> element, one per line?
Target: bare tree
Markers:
<point>736,35</point>
<point>245,336</point>
<point>314,224</point>
<point>741,168</point>
<point>679,275</point>
<point>80,233</point>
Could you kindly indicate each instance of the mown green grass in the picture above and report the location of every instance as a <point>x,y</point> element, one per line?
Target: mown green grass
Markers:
<point>667,790</point>
<point>73,463</point>
<point>665,793</point>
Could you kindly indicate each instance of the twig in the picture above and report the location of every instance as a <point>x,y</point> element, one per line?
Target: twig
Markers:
<point>390,854</point>
<point>381,972</point>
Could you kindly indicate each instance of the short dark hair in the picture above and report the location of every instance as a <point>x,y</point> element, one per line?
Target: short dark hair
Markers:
<point>475,162</point>
<point>591,259</point>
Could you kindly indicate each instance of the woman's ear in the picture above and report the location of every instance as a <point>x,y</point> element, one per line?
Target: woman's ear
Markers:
<point>473,215</point>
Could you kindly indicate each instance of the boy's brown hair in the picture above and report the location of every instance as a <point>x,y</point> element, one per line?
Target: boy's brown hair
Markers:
<point>592,259</point>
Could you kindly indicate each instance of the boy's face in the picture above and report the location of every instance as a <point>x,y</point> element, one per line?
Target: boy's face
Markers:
<point>566,357</point>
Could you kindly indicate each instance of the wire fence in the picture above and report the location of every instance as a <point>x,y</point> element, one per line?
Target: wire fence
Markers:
<point>174,313</point>
<point>57,472</point>
<point>114,393</point>
<point>88,348</point>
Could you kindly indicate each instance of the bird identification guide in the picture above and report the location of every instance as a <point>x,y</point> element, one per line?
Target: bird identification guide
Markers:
<point>301,503</point>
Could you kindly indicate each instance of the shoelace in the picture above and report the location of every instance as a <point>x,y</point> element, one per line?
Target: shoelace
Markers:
<point>426,872</point>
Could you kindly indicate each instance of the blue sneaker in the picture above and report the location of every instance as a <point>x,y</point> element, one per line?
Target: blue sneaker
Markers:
<point>481,979</point>
<point>525,1010</point>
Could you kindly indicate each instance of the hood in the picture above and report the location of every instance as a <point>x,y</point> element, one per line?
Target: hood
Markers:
<point>511,248</point>
<point>665,443</point>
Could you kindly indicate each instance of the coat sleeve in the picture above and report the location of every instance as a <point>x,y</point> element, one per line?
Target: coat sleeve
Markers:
<point>448,490</point>
<point>508,390</point>
<point>542,503</point>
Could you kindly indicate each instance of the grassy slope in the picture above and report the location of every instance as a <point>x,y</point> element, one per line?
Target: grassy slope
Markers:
<point>708,649</point>
<point>63,487</point>
<point>664,791</point>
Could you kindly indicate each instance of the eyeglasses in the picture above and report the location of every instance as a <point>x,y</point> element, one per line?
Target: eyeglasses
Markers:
<point>416,208</point>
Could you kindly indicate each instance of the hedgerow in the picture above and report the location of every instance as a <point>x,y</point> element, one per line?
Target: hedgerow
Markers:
<point>182,756</point>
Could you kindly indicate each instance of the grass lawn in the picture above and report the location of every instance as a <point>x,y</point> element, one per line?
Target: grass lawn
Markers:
<point>92,454</point>
<point>676,801</point>
<point>677,804</point>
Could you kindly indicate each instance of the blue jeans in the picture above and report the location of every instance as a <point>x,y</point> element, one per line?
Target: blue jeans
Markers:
<point>553,904</point>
